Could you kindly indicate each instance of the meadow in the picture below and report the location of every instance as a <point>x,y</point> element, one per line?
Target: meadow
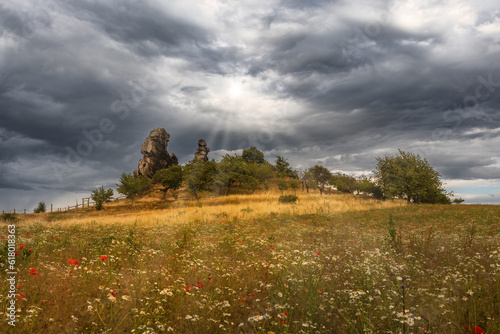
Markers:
<point>246,264</point>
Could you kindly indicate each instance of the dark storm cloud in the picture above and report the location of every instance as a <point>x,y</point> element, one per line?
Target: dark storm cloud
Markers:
<point>333,83</point>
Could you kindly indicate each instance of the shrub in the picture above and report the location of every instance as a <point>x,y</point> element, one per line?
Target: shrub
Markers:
<point>9,217</point>
<point>133,186</point>
<point>282,185</point>
<point>288,199</point>
<point>40,208</point>
<point>100,196</point>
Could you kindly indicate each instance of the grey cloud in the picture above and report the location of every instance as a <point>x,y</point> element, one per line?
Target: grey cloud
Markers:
<point>356,93</point>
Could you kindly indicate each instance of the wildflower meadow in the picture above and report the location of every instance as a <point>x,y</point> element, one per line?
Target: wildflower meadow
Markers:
<point>392,269</point>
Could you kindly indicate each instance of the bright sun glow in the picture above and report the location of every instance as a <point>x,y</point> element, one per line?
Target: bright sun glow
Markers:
<point>235,91</point>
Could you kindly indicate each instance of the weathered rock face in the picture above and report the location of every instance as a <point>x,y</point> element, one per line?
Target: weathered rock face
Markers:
<point>202,150</point>
<point>155,154</point>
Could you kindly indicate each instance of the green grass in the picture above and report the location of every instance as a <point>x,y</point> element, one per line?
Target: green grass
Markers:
<point>339,273</point>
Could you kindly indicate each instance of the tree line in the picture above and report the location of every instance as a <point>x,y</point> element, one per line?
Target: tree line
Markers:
<point>404,176</point>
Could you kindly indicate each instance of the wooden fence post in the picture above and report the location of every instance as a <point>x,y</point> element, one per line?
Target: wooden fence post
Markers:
<point>14,211</point>
<point>24,211</point>
<point>51,208</point>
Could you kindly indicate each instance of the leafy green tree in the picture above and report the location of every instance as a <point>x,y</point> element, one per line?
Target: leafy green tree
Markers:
<point>344,183</point>
<point>100,196</point>
<point>252,154</point>
<point>410,177</point>
<point>283,168</point>
<point>170,178</point>
<point>40,208</point>
<point>320,175</point>
<point>260,172</point>
<point>199,175</point>
<point>231,172</point>
<point>132,186</point>
<point>367,186</point>
<point>236,172</point>
<point>294,184</point>
<point>282,185</point>
<point>308,181</point>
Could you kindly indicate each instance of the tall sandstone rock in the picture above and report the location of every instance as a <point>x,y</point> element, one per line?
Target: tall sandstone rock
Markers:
<point>202,150</point>
<point>155,153</point>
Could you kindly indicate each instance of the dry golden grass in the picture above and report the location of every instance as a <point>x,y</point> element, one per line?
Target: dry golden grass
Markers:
<point>151,210</point>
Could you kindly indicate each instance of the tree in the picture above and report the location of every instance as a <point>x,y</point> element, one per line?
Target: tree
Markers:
<point>261,172</point>
<point>253,155</point>
<point>410,177</point>
<point>232,171</point>
<point>320,175</point>
<point>283,168</point>
<point>101,195</point>
<point>235,172</point>
<point>282,185</point>
<point>133,186</point>
<point>344,183</point>
<point>199,175</point>
<point>170,178</point>
<point>294,184</point>
<point>367,186</point>
<point>40,208</point>
<point>307,180</point>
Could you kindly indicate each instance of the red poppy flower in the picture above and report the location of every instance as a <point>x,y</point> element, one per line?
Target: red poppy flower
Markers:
<point>21,296</point>
<point>187,288</point>
<point>74,262</point>
<point>16,253</point>
<point>475,330</point>
<point>21,247</point>
<point>33,272</point>
<point>104,258</point>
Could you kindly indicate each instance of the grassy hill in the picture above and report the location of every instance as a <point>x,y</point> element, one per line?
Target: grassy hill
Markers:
<point>246,264</point>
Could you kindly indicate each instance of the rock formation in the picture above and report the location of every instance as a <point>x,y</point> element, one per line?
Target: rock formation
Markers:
<point>202,150</point>
<point>155,154</point>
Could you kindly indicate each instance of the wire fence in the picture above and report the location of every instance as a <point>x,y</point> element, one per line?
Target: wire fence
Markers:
<point>85,203</point>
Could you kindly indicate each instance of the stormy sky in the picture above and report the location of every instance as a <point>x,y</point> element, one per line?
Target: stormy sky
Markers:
<point>336,83</point>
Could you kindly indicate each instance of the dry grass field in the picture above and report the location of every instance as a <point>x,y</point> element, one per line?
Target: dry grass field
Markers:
<point>247,264</point>
<point>152,210</point>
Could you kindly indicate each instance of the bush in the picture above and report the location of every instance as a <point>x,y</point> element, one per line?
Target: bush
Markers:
<point>9,217</point>
<point>133,186</point>
<point>100,196</point>
<point>288,199</point>
<point>282,185</point>
<point>40,208</point>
